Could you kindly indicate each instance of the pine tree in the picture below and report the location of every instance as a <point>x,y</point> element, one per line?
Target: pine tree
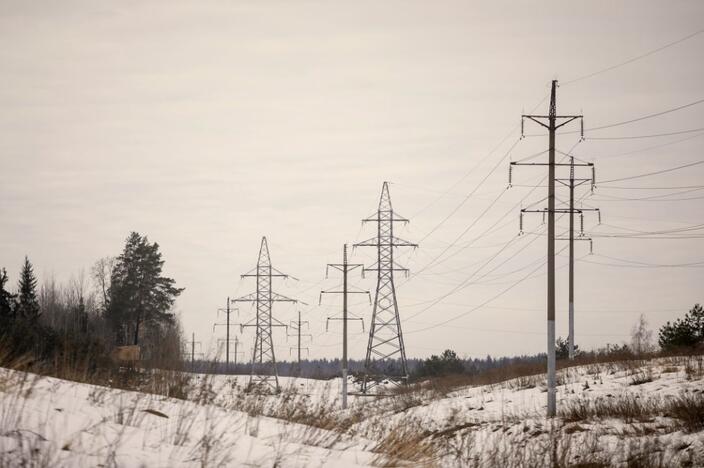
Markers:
<point>28,304</point>
<point>7,300</point>
<point>139,295</point>
<point>687,332</point>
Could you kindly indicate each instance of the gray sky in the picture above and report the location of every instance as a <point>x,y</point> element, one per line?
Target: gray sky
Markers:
<point>208,124</point>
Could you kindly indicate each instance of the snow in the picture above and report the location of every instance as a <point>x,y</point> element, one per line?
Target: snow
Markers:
<point>63,423</point>
<point>73,424</point>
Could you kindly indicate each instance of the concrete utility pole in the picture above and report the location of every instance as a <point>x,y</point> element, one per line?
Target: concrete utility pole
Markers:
<point>264,372</point>
<point>236,352</point>
<point>297,326</point>
<point>193,353</point>
<point>237,342</point>
<point>572,183</point>
<point>552,126</point>
<point>345,268</point>
<point>227,311</point>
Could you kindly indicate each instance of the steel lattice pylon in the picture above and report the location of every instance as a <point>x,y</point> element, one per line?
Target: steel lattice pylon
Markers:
<point>264,373</point>
<point>385,335</point>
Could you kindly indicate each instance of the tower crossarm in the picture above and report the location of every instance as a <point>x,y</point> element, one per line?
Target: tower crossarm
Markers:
<point>393,241</point>
<point>275,297</point>
<point>393,217</point>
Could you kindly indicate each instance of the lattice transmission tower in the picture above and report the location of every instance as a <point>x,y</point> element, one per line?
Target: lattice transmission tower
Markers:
<point>264,373</point>
<point>385,335</point>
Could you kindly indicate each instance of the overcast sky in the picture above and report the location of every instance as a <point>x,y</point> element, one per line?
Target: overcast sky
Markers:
<point>208,124</point>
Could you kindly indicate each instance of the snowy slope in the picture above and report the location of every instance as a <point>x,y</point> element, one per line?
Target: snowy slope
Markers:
<point>61,423</point>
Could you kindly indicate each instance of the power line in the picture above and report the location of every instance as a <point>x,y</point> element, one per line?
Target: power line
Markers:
<point>468,173</point>
<point>682,265</point>
<point>466,282</point>
<point>631,60</point>
<point>649,148</point>
<point>488,301</point>
<point>461,204</point>
<point>654,135</point>
<point>658,197</point>
<point>654,265</point>
<point>693,227</point>
<point>645,117</point>
<point>435,261</point>
<point>648,174</point>
<point>655,188</point>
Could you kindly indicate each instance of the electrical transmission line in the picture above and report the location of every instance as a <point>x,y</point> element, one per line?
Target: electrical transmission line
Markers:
<point>650,135</point>
<point>633,59</point>
<point>483,304</point>
<point>385,335</point>
<point>344,268</point>
<point>637,119</point>
<point>648,174</point>
<point>264,374</point>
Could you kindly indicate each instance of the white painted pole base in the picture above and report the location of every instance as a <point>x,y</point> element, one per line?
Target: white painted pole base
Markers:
<point>552,406</point>
<point>344,388</point>
<point>571,332</point>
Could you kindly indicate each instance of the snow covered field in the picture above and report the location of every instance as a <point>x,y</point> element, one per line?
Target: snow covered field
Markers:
<point>610,414</point>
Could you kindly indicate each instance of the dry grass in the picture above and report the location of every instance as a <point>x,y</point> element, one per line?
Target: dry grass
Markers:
<point>406,443</point>
<point>688,409</point>
<point>641,376</point>
<point>628,408</point>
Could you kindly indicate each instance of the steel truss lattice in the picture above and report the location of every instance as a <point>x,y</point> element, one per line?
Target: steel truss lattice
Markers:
<point>264,374</point>
<point>385,347</point>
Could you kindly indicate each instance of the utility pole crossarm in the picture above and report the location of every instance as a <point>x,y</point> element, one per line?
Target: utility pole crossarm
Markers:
<point>393,218</point>
<point>518,163</point>
<point>559,210</point>
<point>252,297</point>
<point>275,323</point>
<point>275,297</point>
<point>394,241</point>
<point>343,292</point>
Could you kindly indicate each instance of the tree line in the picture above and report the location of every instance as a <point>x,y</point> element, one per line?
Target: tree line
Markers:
<point>125,300</point>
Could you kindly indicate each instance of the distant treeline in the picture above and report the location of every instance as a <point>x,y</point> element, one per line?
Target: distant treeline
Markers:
<point>125,299</point>
<point>330,368</point>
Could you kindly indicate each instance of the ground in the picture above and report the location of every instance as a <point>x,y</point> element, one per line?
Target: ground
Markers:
<point>635,413</point>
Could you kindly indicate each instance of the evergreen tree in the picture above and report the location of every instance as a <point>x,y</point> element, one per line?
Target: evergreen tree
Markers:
<point>28,304</point>
<point>445,364</point>
<point>139,295</point>
<point>562,348</point>
<point>7,300</point>
<point>686,332</point>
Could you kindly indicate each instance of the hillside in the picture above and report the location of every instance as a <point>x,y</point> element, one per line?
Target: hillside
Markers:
<point>635,413</point>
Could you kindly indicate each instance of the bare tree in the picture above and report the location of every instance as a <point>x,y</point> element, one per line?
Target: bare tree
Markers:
<point>102,273</point>
<point>641,337</point>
